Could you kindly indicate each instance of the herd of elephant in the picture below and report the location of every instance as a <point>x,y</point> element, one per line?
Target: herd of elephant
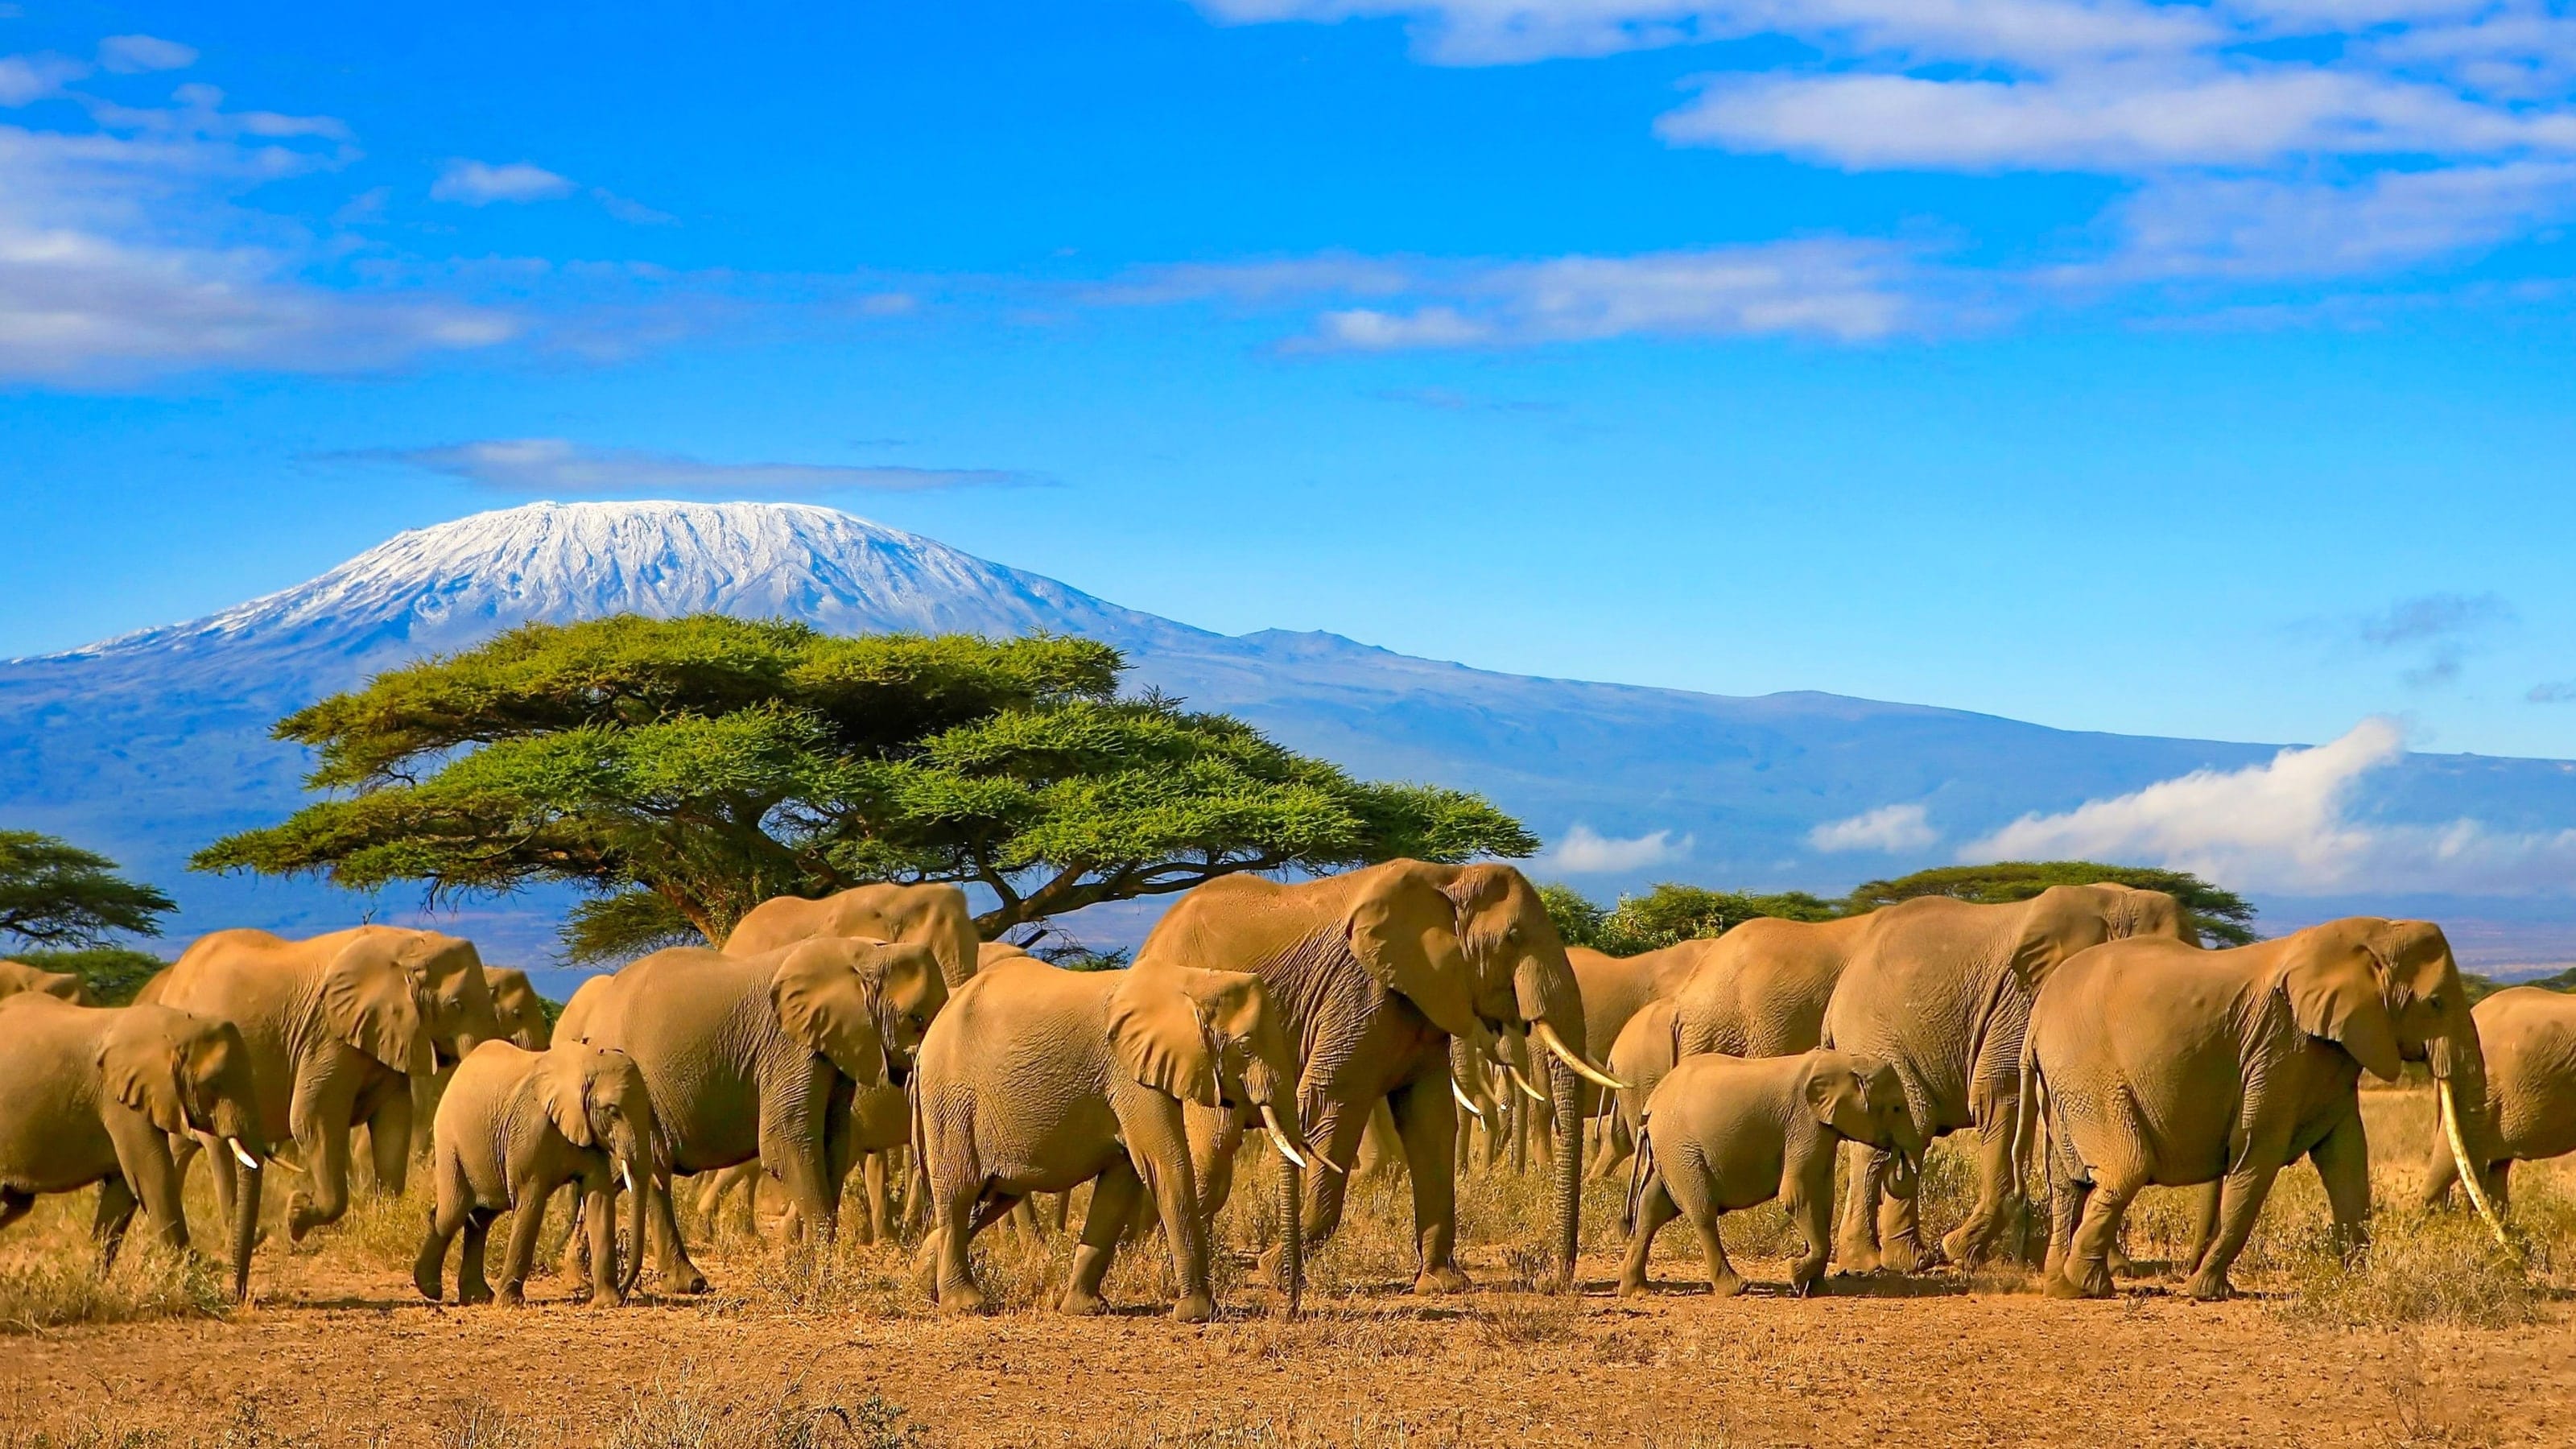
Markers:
<point>2082,1035</point>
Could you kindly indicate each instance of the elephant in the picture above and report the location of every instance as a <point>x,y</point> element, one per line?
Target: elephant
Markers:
<point>2528,1038</point>
<point>515,1125</point>
<point>2149,1062</point>
<point>935,916</point>
<point>518,1017</point>
<point>18,976</point>
<point>757,1058</point>
<point>1941,992</point>
<point>1644,1052</point>
<point>336,1025</point>
<point>97,1094</point>
<point>1615,989</point>
<point>929,915</point>
<point>1038,1079</point>
<point>1722,1133</point>
<point>1374,972</point>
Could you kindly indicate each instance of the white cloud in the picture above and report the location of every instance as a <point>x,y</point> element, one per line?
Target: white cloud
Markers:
<point>1839,289</point>
<point>1585,851</point>
<point>133,54</point>
<point>480,183</point>
<point>123,251</point>
<point>27,79</point>
<point>2256,229</point>
<point>559,466</point>
<point>1889,828</point>
<point>2289,827</point>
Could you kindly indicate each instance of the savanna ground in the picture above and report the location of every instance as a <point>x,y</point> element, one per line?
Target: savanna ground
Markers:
<point>2430,1341</point>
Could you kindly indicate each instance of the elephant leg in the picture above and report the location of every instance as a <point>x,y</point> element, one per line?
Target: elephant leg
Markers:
<point>2256,1161</point>
<point>671,1255</point>
<point>1114,1195</point>
<point>219,1166</point>
<point>520,1252</point>
<point>2439,1174</point>
<point>447,1216</point>
<point>1999,1195</point>
<point>1901,1248</point>
<point>1857,1246</point>
<point>953,1215</point>
<point>2343,1166</point>
<point>1158,1147</point>
<point>470,1284</point>
<point>877,1225</point>
<point>1655,1207</point>
<point>2204,1224</point>
<point>2087,1270</point>
<point>116,1205</point>
<point>1810,1204</point>
<point>1426,1124</point>
<point>599,1209</point>
<point>325,1194</point>
<point>389,1140</point>
<point>1024,1221</point>
<point>2498,1186</point>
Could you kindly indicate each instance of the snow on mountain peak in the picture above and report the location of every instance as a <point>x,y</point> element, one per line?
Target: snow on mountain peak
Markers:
<point>445,586</point>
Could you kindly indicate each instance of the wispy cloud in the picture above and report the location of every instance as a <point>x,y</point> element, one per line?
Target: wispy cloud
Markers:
<point>481,183</point>
<point>559,466</point>
<point>1836,289</point>
<point>1887,829</point>
<point>1585,851</point>
<point>134,54</point>
<point>2289,826</point>
<point>2443,627</point>
<point>2561,691</point>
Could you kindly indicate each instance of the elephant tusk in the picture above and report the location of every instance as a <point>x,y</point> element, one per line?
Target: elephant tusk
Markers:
<point>1548,1038</point>
<point>1533,1093</point>
<point>1460,1093</point>
<point>2469,1175</point>
<point>1279,1137</point>
<point>626,1175</point>
<point>242,1154</point>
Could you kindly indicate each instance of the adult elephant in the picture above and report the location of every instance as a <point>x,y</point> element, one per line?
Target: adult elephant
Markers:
<point>1374,972</point>
<point>758,1058</point>
<point>1941,992</point>
<point>1615,989</point>
<point>927,915</point>
<point>18,976</point>
<point>336,1026</point>
<point>97,1094</point>
<point>2528,1038</point>
<point>1040,1079</point>
<point>518,1017</point>
<point>2156,1064</point>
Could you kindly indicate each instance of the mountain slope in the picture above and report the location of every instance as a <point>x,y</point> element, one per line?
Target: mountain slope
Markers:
<point>148,745</point>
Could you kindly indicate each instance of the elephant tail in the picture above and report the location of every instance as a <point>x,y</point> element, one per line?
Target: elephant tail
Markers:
<point>1641,1170</point>
<point>2025,1103</point>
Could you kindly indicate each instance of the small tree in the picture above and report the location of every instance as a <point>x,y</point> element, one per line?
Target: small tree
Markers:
<point>685,770</point>
<point>58,895</point>
<point>1577,917</point>
<point>2222,917</point>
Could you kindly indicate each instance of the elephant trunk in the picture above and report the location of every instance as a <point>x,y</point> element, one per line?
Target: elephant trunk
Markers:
<point>1549,1000</point>
<point>1905,1148</point>
<point>1292,1235</point>
<point>1567,1104</point>
<point>639,1191</point>
<point>245,1224</point>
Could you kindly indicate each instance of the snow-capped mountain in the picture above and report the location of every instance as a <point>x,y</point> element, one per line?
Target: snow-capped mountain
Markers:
<point>149,745</point>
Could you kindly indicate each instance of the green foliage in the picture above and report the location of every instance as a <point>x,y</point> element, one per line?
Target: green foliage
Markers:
<point>707,764</point>
<point>55,894</point>
<point>1669,914</point>
<point>111,974</point>
<point>2222,917</point>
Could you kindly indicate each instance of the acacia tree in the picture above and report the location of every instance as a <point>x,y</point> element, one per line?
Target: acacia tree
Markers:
<point>56,894</point>
<point>682,771</point>
<point>1670,913</point>
<point>2222,917</point>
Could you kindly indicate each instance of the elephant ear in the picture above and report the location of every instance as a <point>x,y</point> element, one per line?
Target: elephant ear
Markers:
<point>2335,993</point>
<point>1832,1089</point>
<point>1159,1025</point>
<point>2057,923</point>
<point>910,978</point>
<point>140,1065</point>
<point>367,1000</point>
<point>824,1004</point>
<point>562,1081</point>
<point>1405,933</point>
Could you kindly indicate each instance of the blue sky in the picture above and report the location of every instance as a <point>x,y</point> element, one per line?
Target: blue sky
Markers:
<point>2188,369</point>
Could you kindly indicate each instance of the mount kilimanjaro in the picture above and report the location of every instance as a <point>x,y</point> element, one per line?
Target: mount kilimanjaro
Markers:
<point>151,744</point>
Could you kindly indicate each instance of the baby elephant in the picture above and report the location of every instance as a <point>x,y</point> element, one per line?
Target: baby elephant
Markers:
<point>514,1126</point>
<point>1721,1133</point>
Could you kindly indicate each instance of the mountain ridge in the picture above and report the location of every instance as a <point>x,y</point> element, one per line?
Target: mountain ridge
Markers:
<point>152,742</point>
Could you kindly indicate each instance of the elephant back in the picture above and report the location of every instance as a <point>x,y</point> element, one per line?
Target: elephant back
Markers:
<point>936,916</point>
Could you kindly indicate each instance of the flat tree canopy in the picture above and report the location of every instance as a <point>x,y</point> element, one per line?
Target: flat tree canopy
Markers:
<point>685,770</point>
<point>54,894</point>
<point>1670,914</point>
<point>2222,917</point>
